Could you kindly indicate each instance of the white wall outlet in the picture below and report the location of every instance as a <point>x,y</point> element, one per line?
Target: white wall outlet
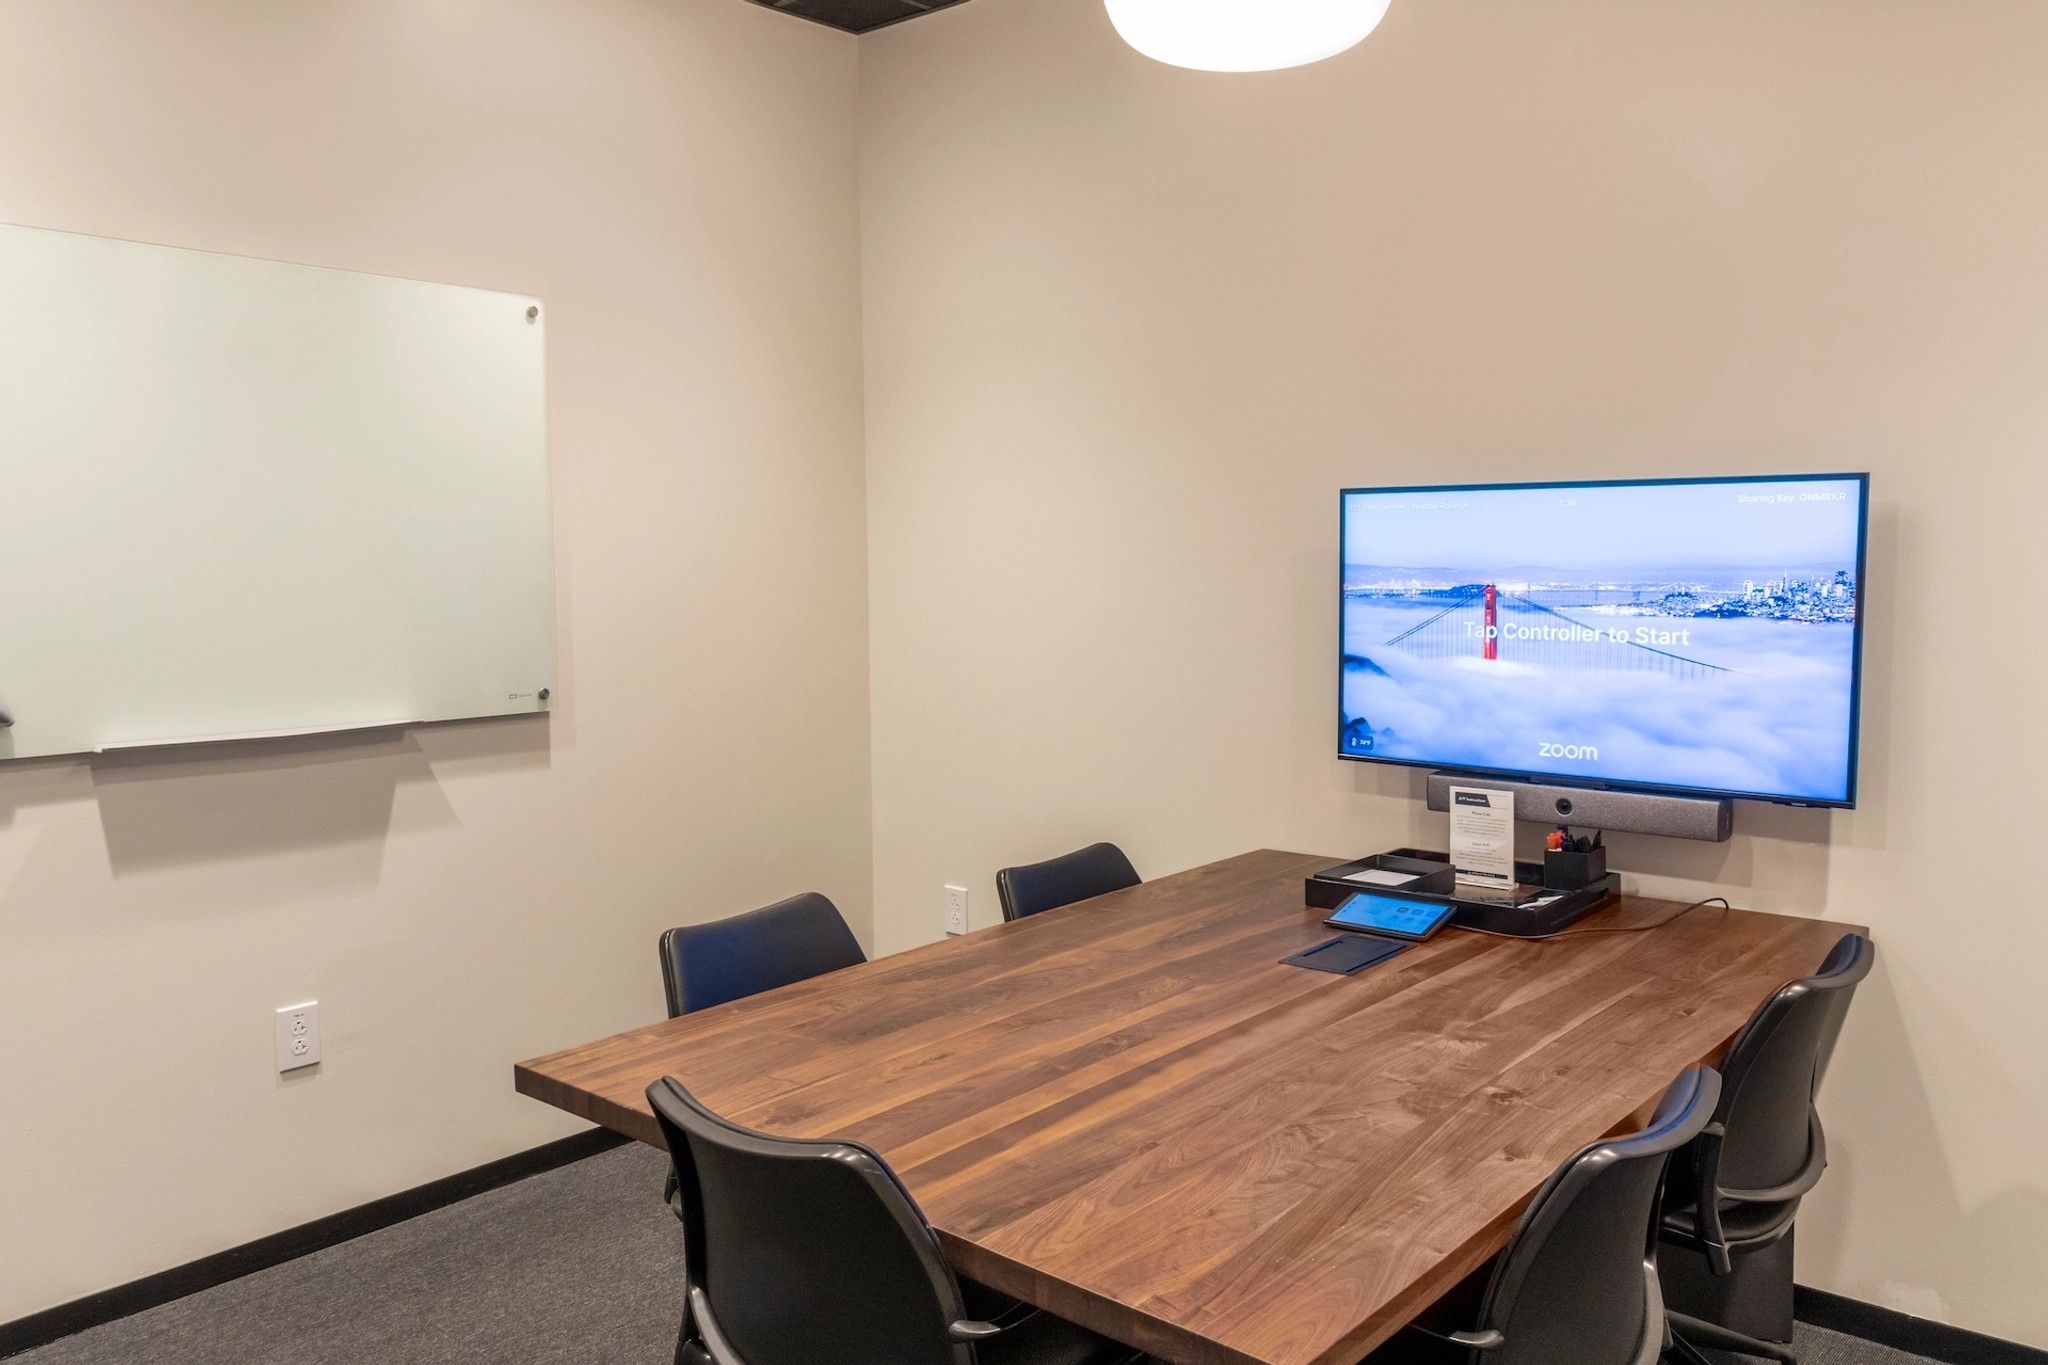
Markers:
<point>956,909</point>
<point>298,1036</point>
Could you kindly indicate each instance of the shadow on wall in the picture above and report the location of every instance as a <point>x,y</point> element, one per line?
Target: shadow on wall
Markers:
<point>1902,1191</point>
<point>195,806</point>
<point>1866,826</point>
<point>1780,853</point>
<point>40,782</point>
<point>188,806</point>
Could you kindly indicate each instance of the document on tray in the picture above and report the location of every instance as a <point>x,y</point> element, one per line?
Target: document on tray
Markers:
<point>1483,836</point>
<point>1379,876</point>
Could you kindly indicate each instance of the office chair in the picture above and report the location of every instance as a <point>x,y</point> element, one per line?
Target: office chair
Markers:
<point>708,964</point>
<point>1093,871</point>
<point>812,1253</point>
<point>1577,1282</point>
<point>1727,1260</point>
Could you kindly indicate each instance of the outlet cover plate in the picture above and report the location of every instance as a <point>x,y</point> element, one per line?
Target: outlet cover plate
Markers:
<point>298,1036</point>
<point>956,909</point>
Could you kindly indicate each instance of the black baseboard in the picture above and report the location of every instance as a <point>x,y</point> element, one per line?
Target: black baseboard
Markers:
<point>39,1329</point>
<point>1904,1332</point>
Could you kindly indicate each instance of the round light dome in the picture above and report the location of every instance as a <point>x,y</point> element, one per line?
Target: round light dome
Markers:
<point>1243,35</point>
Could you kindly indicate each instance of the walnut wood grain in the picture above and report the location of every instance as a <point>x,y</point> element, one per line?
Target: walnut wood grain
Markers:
<point>1128,1112</point>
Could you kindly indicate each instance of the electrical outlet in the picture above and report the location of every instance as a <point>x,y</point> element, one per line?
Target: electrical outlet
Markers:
<point>298,1036</point>
<point>956,909</point>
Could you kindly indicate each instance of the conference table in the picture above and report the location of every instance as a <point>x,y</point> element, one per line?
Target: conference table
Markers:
<point>1129,1112</point>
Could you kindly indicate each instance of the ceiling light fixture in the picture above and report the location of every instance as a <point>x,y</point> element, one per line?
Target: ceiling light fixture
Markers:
<point>1244,35</point>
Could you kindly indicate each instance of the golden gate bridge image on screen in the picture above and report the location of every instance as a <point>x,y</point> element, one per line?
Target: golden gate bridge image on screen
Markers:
<point>1484,622</point>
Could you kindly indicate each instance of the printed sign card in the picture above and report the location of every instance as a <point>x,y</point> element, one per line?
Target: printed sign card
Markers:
<point>1483,836</point>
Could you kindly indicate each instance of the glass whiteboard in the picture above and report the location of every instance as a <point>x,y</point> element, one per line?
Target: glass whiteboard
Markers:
<point>241,497</point>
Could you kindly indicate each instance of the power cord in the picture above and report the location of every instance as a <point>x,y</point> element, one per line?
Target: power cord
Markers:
<point>1671,918</point>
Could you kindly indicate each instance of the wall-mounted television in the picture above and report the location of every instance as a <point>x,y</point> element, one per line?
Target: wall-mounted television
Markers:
<point>1690,636</point>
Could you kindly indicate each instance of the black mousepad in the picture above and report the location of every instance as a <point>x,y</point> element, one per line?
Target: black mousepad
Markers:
<point>1347,953</point>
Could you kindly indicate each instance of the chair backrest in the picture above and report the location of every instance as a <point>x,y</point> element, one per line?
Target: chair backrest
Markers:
<point>1577,1282</point>
<point>1774,1070</point>
<point>1082,875</point>
<point>708,964</point>
<point>803,1253</point>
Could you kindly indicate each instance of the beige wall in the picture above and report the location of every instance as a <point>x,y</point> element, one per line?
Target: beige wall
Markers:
<point>1129,328</point>
<point>677,178</point>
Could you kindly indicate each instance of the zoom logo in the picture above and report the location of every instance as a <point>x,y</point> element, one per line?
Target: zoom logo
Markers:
<point>1584,751</point>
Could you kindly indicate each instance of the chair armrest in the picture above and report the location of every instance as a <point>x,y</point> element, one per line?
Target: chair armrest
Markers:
<point>1707,1208</point>
<point>1809,1174</point>
<point>1488,1340</point>
<point>1656,1324</point>
<point>969,1329</point>
<point>708,1332</point>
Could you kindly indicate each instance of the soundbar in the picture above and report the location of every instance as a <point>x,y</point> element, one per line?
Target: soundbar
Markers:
<point>1678,817</point>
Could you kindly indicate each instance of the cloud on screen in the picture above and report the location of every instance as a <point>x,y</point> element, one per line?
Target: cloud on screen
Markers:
<point>1780,728</point>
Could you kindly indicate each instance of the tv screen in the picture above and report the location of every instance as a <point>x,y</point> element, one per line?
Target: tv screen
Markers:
<point>1678,635</point>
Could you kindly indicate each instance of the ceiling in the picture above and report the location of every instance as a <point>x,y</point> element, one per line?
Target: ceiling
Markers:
<point>856,16</point>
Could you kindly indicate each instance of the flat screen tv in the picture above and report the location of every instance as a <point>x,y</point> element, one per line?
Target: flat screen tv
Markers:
<point>1691,636</point>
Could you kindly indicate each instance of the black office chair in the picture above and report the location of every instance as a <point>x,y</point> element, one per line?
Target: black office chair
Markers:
<point>1093,871</point>
<point>812,1253</point>
<point>1727,1260</point>
<point>1577,1282</point>
<point>708,964</point>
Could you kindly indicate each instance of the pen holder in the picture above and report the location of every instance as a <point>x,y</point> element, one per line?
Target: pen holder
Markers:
<point>1571,871</point>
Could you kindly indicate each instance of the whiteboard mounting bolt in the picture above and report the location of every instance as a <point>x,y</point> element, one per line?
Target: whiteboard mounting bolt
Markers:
<point>532,312</point>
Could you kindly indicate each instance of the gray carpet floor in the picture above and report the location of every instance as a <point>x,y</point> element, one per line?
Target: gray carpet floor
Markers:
<point>1818,1346</point>
<point>580,1264</point>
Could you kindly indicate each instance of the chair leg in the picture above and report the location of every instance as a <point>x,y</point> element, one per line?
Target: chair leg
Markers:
<point>1755,1299</point>
<point>1721,1339</point>
<point>1685,1351</point>
<point>689,1350</point>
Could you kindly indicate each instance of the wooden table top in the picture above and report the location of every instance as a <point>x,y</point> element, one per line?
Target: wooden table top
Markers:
<point>1128,1112</point>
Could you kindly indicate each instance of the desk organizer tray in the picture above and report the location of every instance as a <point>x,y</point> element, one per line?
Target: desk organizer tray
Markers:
<point>1400,871</point>
<point>1527,910</point>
